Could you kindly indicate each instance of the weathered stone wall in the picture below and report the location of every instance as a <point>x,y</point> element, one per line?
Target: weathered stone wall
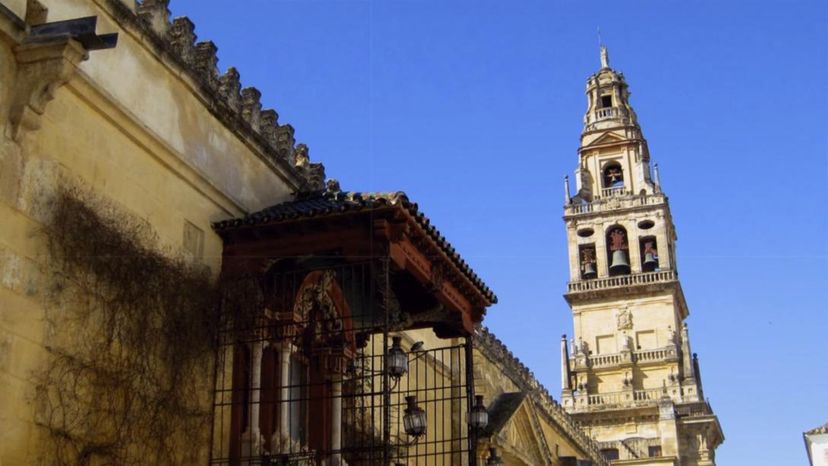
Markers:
<point>135,126</point>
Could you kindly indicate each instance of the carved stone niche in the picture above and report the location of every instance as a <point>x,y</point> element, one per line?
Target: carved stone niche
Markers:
<point>42,67</point>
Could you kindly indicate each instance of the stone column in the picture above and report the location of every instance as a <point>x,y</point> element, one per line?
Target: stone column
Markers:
<point>336,420</point>
<point>256,391</point>
<point>285,350</point>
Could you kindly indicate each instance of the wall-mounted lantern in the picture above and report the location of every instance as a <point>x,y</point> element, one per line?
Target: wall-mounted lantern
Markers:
<point>479,415</point>
<point>396,360</point>
<point>415,421</point>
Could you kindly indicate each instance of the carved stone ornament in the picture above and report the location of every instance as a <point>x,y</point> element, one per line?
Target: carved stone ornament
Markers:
<point>42,67</point>
<point>624,319</point>
<point>317,296</point>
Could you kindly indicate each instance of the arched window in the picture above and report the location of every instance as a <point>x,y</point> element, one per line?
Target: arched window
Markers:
<point>649,254</point>
<point>618,251</point>
<point>613,176</point>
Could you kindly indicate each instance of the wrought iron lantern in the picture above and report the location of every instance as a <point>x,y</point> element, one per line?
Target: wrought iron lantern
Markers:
<point>479,415</point>
<point>396,360</point>
<point>415,420</point>
<point>494,460</point>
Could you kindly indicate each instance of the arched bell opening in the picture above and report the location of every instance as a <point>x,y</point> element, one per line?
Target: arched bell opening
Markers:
<point>649,254</point>
<point>589,266</point>
<point>613,176</point>
<point>618,251</point>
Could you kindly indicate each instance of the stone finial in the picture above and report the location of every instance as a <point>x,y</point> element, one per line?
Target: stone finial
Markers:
<point>181,36</point>
<point>316,176</point>
<point>301,159</point>
<point>230,88</point>
<point>268,124</point>
<point>156,14</point>
<point>285,142</point>
<point>205,61</point>
<point>332,186</point>
<point>251,106</point>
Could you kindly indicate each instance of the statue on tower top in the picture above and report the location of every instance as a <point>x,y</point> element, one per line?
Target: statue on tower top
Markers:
<point>604,57</point>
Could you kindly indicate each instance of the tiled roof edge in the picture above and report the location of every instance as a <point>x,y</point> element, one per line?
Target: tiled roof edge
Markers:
<point>352,201</point>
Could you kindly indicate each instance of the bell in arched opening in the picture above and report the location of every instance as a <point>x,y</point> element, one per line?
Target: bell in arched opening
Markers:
<point>619,262</point>
<point>588,265</point>
<point>613,176</point>
<point>650,261</point>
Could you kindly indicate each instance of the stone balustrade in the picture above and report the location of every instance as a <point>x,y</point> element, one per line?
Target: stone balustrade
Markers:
<point>597,361</point>
<point>614,199</point>
<point>616,399</point>
<point>621,281</point>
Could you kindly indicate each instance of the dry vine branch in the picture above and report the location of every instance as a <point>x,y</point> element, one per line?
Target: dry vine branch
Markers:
<point>133,337</point>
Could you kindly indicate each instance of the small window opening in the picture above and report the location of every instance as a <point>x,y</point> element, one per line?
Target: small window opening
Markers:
<point>654,451</point>
<point>649,254</point>
<point>613,176</point>
<point>589,267</point>
<point>617,251</point>
<point>606,101</point>
<point>609,453</point>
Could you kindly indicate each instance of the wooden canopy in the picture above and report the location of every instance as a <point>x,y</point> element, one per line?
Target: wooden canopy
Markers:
<point>432,282</point>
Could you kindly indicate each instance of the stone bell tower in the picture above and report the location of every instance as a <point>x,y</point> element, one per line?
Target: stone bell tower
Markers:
<point>628,374</point>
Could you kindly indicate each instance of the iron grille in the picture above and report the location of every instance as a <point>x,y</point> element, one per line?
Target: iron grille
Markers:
<point>301,374</point>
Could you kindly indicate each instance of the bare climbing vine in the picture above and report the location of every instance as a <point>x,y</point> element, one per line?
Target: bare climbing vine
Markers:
<point>131,338</point>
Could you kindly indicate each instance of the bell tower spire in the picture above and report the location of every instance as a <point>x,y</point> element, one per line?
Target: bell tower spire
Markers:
<point>637,388</point>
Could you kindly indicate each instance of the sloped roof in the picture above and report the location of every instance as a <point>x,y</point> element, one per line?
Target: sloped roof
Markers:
<point>502,409</point>
<point>320,204</point>
<point>823,429</point>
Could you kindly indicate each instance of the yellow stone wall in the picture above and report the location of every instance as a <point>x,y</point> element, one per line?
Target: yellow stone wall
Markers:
<point>132,129</point>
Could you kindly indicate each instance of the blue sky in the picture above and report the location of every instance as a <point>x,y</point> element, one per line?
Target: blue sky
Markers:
<point>474,109</point>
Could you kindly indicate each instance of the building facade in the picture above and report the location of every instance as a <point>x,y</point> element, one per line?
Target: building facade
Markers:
<point>628,374</point>
<point>180,285</point>
<point>816,445</point>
